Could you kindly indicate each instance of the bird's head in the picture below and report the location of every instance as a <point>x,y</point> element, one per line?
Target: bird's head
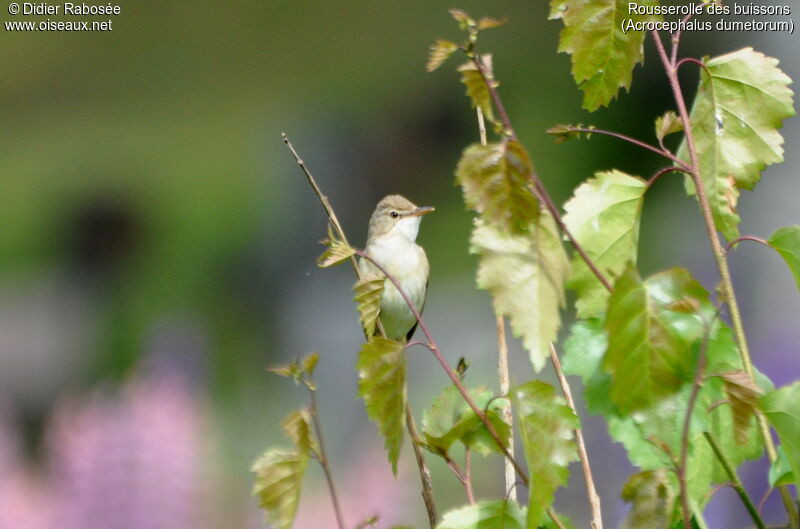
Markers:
<point>396,215</point>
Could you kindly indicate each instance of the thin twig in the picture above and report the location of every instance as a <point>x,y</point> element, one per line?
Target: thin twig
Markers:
<point>736,483</point>
<point>746,238</point>
<point>451,373</point>
<point>463,476</point>
<point>422,466</point>
<point>720,257</point>
<point>323,459</point>
<point>468,475</point>
<point>684,455</point>
<point>591,491</point>
<point>639,143</point>
<point>502,362</point>
<point>653,179</point>
<point>538,187</point>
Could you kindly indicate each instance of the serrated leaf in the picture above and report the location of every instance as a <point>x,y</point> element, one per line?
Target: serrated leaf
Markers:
<point>782,409</point>
<point>450,419</point>
<point>584,350</point>
<point>382,384</point>
<point>603,56</point>
<point>786,241</point>
<point>652,496</point>
<point>743,395</point>
<point>489,22</point>
<point>310,363</point>
<point>460,16</point>
<point>735,120</point>
<point>780,471</point>
<point>568,132</point>
<point>525,276</point>
<point>603,216</point>
<point>668,124</point>
<point>368,298</point>
<point>650,347</point>
<point>495,180</point>
<point>297,427</point>
<point>477,90</point>
<point>279,477</point>
<point>485,515</point>
<point>547,427</point>
<point>440,51</point>
<point>337,253</point>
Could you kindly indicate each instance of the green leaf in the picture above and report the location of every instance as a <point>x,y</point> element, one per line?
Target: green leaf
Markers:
<point>489,22</point>
<point>603,216</point>
<point>650,343</point>
<point>780,471</point>
<point>485,515</point>
<point>735,120</point>
<point>547,427</point>
<point>494,179</point>
<point>477,90</point>
<point>668,124</point>
<point>291,370</point>
<point>310,363</point>
<point>786,241</point>
<point>441,50</point>
<point>279,477</point>
<point>368,297</point>
<point>652,495</point>
<point>525,276</point>
<point>450,419</point>
<point>297,427</point>
<point>743,396</point>
<point>782,409</point>
<point>569,132</point>
<point>463,19</point>
<point>337,253</point>
<point>583,356</point>
<point>603,56</point>
<point>382,384</point>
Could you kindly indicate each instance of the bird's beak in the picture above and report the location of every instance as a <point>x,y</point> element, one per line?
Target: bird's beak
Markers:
<point>420,211</point>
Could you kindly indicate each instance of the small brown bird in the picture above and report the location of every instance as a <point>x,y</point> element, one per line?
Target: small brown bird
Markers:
<point>391,241</point>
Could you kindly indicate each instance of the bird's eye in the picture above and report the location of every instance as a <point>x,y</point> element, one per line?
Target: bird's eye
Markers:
<point>394,214</point>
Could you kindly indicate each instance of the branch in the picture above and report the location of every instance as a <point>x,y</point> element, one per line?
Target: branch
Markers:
<point>462,476</point>
<point>591,492</point>
<point>323,459</point>
<point>670,67</point>
<point>746,238</point>
<point>736,483</point>
<point>446,366</point>
<point>653,179</point>
<point>538,187</point>
<point>424,471</point>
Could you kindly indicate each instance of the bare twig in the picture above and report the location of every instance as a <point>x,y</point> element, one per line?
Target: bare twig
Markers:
<point>422,466</point>
<point>670,67</point>
<point>736,483</point>
<point>655,178</point>
<point>463,476</point>
<point>591,491</point>
<point>323,459</point>
<point>745,238</point>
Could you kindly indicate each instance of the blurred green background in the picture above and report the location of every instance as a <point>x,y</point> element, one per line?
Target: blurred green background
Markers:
<point>148,209</point>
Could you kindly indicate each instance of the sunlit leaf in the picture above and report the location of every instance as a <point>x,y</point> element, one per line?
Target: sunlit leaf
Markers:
<point>460,16</point>
<point>780,471</point>
<point>782,409</point>
<point>310,363</point>
<point>291,370</point>
<point>547,427</point>
<point>382,384</point>
<point>337,253</point>
<point>441,50</point>
<point>650,353</point>
<point>743,395</point>
<point>489,22</point>
<point>667,124</point>
<point>297,427</point>
<point>485,515</point>
<point>603,216</point>
<point>652,497</point>
<point>495,180</point>
<point>477,89</point>
<point>603,56</point>
<point>451,419</point>
<point>568,132</point>
<point>735,120</point>
<point>368,298</point>
<point>279,477</point>
<point>525,276</point>
<point>787,243</point>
